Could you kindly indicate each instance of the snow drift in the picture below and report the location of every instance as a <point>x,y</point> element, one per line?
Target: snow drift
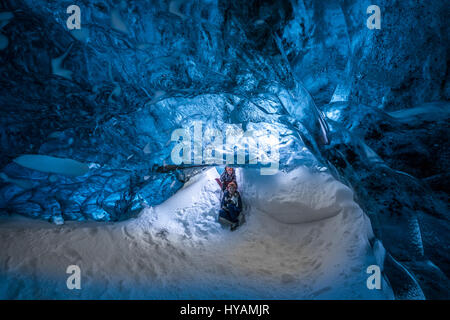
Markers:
<point>298,196</point>
<point>178,250</point>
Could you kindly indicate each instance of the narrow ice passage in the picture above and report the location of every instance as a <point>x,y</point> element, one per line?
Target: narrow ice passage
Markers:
<point>304,237</point>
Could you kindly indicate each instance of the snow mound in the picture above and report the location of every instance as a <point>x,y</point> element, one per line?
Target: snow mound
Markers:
<point>296,197</point>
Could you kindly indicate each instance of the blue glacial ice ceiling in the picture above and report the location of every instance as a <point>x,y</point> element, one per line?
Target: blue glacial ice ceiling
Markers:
<point>87,115</point>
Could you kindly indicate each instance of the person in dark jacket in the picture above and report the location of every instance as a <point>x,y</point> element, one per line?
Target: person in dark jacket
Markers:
<point>226,177</point>
<point>231,205</point>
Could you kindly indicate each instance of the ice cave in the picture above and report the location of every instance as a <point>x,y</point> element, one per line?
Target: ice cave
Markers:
<point>118,116</point>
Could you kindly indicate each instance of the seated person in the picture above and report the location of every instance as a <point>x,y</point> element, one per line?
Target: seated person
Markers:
<point>231,205</point>
<point>226,177</point>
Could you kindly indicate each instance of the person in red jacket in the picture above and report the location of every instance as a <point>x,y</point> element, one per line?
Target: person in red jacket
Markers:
<point>229,175</point>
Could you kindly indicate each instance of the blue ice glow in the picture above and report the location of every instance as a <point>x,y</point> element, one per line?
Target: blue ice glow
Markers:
<point>211,146</point>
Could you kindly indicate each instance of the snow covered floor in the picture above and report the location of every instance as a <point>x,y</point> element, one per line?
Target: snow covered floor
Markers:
<point>304,238</point>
